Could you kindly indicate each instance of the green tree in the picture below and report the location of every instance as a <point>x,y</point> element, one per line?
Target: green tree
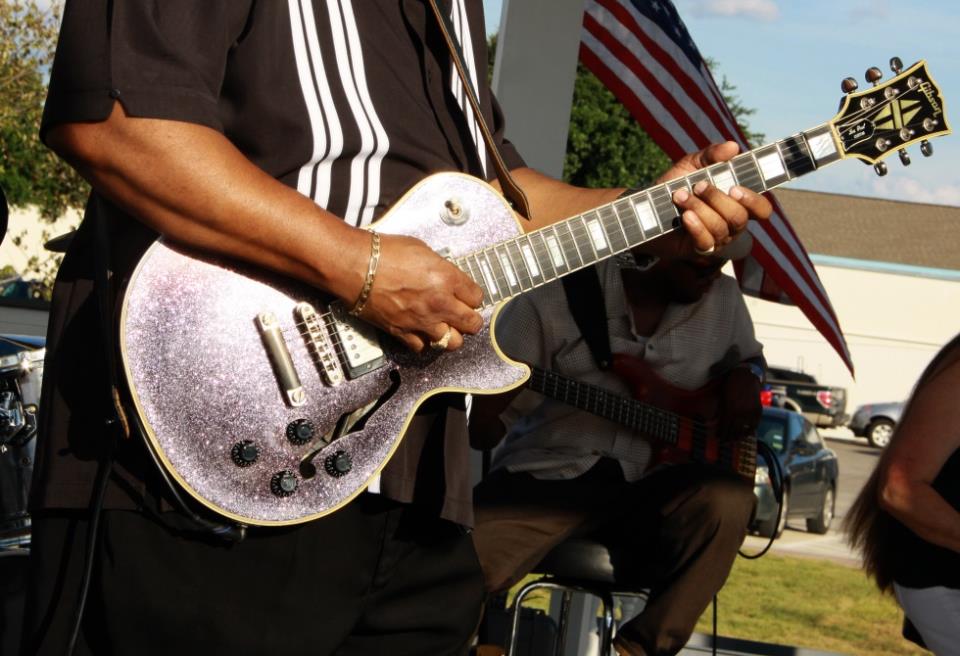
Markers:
<point>30,174</point>
<point>607,147</point>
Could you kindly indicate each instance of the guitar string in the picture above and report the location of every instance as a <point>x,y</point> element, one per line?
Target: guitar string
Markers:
<point>578,231</point>
<point>725,455</point>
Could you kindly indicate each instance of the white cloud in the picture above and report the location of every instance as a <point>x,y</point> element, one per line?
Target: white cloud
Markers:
<point>870,10</point>
<point>913,190</point>
<point>765,10</point>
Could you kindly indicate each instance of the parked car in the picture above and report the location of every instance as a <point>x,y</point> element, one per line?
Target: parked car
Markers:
<point>824,405</point>
<point>876,421</point>
<point>810,473</point>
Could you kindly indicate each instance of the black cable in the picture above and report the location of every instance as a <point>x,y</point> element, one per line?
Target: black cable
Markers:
<point>230,532</point>
<point>96,508</point>
<point>776,482</point>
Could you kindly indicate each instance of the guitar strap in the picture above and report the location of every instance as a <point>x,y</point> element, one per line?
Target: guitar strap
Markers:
<point>589,310</point>
<point>511,190</point>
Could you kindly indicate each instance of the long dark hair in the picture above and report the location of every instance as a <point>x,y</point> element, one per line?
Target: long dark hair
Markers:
<point>870,529</point>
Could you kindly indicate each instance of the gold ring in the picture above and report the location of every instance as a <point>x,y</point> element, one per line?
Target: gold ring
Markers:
<point>708,251</point>
<point>442,343</point>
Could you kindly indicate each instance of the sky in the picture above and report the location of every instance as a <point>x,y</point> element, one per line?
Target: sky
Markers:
<point>788,57</point>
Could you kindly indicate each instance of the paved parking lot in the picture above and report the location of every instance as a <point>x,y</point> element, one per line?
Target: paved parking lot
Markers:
<point>857,460</point>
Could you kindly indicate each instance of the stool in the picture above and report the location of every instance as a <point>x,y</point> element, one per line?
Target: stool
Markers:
<point>576,565</point>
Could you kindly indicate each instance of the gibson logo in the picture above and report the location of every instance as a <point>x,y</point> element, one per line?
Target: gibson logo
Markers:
<point>927,89</point>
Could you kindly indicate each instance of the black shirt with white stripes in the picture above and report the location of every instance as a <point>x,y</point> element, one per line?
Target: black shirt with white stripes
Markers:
<point>349,101</point>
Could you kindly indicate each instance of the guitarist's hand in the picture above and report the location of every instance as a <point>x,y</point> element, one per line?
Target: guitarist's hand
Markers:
<point>417,295</point>
<point>740,408</point>
<point>711,217</point>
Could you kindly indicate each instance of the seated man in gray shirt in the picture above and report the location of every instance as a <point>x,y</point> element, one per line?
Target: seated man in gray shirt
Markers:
<point>565,472</point>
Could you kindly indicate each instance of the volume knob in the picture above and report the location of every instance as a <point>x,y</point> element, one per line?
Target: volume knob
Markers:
<point>338,464</point>
<point>300,431</point>
<point>244,453</point>
<point>284,483</point>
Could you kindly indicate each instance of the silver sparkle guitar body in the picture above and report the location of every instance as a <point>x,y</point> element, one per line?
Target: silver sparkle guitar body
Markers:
<point>227,364</point>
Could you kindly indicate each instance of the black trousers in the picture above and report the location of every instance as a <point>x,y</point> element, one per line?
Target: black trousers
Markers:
<point>676,531</point>
<point>375,577</point>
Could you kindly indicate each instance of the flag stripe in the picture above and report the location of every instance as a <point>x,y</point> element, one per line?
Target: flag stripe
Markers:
<point>642,52</point>
<point>683,76</point>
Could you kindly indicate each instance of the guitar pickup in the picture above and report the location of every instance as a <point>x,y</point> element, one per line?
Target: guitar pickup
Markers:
<point>318,341</point>
<point>293,392</point>
<point>356,341</point>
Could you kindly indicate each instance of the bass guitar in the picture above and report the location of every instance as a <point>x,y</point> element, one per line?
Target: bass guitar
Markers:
<point>271,405</point>
<point>681,425</point>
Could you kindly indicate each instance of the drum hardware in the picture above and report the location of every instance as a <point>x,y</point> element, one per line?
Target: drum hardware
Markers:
<point>20,379</point>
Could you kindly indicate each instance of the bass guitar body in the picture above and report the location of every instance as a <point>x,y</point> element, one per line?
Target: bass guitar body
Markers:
<point>692,417</point>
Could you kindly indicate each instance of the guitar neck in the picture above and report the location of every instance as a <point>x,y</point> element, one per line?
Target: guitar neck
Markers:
<point>652,422</point>
<point>517,265</point>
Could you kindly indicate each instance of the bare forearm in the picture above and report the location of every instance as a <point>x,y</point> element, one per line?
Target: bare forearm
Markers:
<point>552,200</point>
<point>192,185</point>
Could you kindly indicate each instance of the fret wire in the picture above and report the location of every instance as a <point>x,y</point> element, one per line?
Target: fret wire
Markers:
<point>568,245</point>
<point>552,236</point>
<point>578,227</point>
<point>783,159</point>
<point>664,208</point>
<point>804,146</point>
<point>528,252</point>
<point>503,258</point>
<point>616,234</point>
<point>696,177</point>
<point>483,262</point>
<point>747,170</point>
<point>498,274</point>
<point>598,232</point>
<point>722,176</point>
<point>542,253</point>
<point>632,230</point>
<point>797,156</point>
<point>465,265</point>
<point>523,273</point>
<point>770,178</point>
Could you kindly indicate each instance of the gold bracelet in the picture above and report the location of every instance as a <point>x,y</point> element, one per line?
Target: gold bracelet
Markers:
<point>371,274</point>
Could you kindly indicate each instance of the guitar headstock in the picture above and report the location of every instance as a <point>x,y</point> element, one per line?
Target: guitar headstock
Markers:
<point>886,118</point>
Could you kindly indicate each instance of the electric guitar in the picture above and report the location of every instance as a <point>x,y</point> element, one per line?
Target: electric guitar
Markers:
<point>272,406</point>
<point>681,425</point>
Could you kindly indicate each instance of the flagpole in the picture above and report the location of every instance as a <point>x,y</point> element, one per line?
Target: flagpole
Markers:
<point>534,73</point>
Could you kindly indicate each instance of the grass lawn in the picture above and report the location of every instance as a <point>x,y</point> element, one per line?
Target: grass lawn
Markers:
<point>805,603</point>
<point>808,603</point>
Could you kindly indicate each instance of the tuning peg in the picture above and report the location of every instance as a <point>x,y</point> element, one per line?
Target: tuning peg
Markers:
<point>926,148</point>
<point>849,85</point>
<point>873,75</point>
<point>896,65</point>
<point>880,168</point>
<point>904,157</point>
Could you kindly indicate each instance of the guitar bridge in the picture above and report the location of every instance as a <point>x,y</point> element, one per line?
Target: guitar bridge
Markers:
<point>318,341</point>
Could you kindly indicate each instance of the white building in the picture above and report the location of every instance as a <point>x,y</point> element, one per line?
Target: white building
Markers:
<point>892,271</point>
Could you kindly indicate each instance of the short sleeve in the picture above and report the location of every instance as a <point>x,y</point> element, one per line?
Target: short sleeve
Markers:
<point>160,58</point>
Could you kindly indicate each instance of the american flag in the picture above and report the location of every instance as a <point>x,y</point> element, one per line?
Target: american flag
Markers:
<point>642,52</point>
